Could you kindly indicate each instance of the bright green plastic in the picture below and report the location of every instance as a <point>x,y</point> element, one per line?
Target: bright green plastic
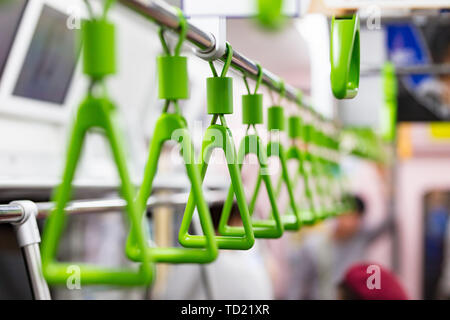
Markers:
<point>99,52</point>
<point>294,127</point>
<point>389,110</point>
<point>219,136</point>
<point>307,216</point>
<point>93,113</point>
<point>268,228</point>
<point>291,219</point>
<point>345,56</point>
<point>173,77</point>
<point>252,109</point>
<point>172,126</point>
<point>219,95</point>
<point>275,118</point>
<point>270,13</point>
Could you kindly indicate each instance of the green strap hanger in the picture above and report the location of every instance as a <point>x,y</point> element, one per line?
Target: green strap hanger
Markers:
<point>99,113</point>
<point>270,13</point>
<point>324,177</point>
<point>320,209</point>
<point>173,85</point>
<point>252,114</point>
<point>344,56</point>
<point>291,219</point>
<point>296,130</point>
<point>218,136</point>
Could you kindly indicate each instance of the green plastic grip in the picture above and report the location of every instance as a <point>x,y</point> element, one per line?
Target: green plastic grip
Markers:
<point>173,127</point>
<point>270,13</point>
<point>345,56</point>
<point>252,109</point>
<point>268,228</point>
<point>93,113</point>
<point>173,77</point>
<point>99,50</point>
<point>275,118</point>
<point>219,95</point>
<point>219,137</point>
<point>294,127</point>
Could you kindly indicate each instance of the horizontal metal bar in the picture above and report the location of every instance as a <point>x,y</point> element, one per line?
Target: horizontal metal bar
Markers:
<point>108,205</point>
<point>436,69</point>
<point>10,213</point>
<point>164,15</point>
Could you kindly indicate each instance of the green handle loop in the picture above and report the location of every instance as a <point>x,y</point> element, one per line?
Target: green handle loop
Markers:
<point>308,215</point>
<point>345,56</point>
<point>92,113</point>
<point>173,70</point>
<point>173,85</point>
<point>267,228</point>
<point>220,102</point>
<point>219,137</point>
<point>270,13</point>
<point>173,127</point>
<point>183,32</point>
<point>282,91</point>
<point>258,80</point>
<point>228,59</point>
<point>252,103</point>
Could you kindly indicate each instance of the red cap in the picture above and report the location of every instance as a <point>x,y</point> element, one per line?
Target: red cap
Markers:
<point>370,281</point>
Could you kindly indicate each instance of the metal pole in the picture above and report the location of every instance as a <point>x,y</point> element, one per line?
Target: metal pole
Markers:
<point>103,206</point>
<point>32,257</point>
<point>164,15</point>
<point>11,213</point>
<point>436,69</point>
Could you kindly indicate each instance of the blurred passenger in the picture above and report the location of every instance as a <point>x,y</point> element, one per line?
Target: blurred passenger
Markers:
<point>235,275</point>
<point>435,229</point>
<point>368,281</point>
<point>444,287</point>
<point>324,257</point>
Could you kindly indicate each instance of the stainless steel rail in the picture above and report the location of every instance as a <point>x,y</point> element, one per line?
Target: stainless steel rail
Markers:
<point>108,205</point>
<point>164,15</point>
<point>11,213</point>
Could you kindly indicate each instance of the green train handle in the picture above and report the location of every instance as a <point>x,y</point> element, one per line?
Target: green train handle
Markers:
<point>270,13</point>
<point>218,136</point>
<point>99,113</point>
<point>268,228</point>
<point>308,216</point>
<point>345,56</point>
<point>297,130</point>
<point>166,126</point>
<point>92,113</point>
<point>252,115</point>
<point>316,173</point>
<point>291,219</point>
<point>174,85</point>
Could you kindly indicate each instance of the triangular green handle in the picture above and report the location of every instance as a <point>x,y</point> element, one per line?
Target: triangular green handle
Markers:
<point>269,228</point>
<point>316,170</point>
<point>291,219</point>
<point>92,113</point>
<point>308,216</point>
<point>345,56</point>
<point>173,127</point>
<point>219,137</point>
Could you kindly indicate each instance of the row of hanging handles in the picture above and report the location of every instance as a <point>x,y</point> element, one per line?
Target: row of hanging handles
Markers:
<point>98,111</point>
